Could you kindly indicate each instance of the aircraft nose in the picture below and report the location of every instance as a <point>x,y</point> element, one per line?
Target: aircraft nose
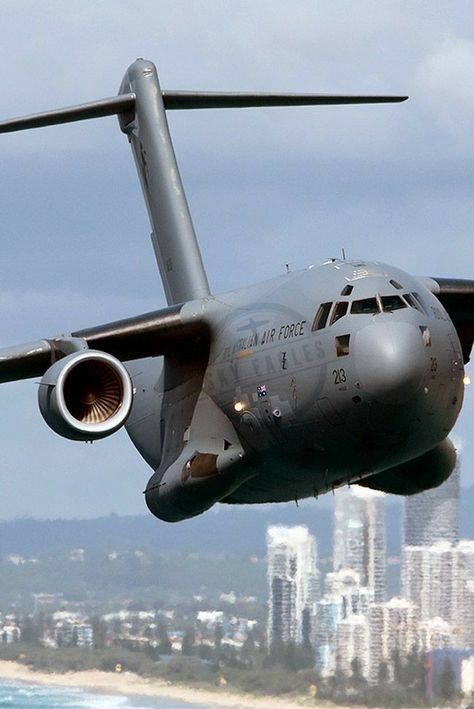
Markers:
<point>390,360</point>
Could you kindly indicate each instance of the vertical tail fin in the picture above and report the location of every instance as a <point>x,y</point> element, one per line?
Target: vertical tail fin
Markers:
<point>174,240</point>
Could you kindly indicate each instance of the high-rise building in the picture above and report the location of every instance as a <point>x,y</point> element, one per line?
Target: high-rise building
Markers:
<point>436,634</point>
<point>346,584</point>
<point>353,644</point>
<point>341,624</point>
<point>465,591</point>
<point>439,579</point>
<point>429,579</point>
<point>394,627</point>
<point>433,516</point>
<point>466,550</point>
<point>329,612</point>
<point>359,537</point>
<point>293,581</point>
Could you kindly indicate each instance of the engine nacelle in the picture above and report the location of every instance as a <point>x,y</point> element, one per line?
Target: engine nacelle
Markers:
<point>86,395</point>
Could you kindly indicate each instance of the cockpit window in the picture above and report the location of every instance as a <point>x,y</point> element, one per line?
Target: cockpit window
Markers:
<point>412,302</point>
<point>426,335</point>
<point>347,290</point>
<point>419,300</point>
<point>342,345</point>
<point>367,306</point>
<point>321,318</point>
<point>396,284</point>
<point>391,303</point>
<point>340,309</point>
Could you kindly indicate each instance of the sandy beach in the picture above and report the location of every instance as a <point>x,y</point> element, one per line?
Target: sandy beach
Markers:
<point>131,684</point>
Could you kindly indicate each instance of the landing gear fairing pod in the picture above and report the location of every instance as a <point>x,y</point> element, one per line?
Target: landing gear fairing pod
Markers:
<point>351,372</point>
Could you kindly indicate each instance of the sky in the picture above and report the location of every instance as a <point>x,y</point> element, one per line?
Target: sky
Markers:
<point>266,187</point>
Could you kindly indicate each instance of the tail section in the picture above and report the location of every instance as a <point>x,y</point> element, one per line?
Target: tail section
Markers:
<point>141,107</point>
<point>174,240</point>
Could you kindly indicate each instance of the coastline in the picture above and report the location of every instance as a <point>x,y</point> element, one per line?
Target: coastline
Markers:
<point>134,685</point>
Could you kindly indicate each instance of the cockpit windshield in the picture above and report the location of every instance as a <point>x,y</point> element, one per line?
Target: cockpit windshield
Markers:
<point>330,313</point>
<point>340,309</point>
<point>367,306</point>
<point>320,320</point>
<point>391,303</point>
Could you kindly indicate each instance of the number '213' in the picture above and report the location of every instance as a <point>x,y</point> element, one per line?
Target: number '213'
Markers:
<point>339,376</point>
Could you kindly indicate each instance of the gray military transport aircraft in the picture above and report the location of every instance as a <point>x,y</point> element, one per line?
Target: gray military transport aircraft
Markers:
<point>351,372</point>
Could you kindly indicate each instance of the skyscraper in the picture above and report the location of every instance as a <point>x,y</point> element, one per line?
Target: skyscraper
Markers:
<point>293,584</point>
<point>329,612</point>
<point>433,516</point>
<point>353,643</point>
<point>429,576</point>
<point>346,584</point>
<point>359,537</point>
<point>393,627</point>
<point>439,579</point>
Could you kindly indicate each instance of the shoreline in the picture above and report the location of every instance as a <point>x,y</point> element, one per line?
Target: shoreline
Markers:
<point>131,684</point>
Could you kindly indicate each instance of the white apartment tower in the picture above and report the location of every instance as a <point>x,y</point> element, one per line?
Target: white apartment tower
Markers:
<point>439,579</point>
<point>329,613</point>
<point>433,516</point>
<point>293,581</point>
<point>393,626</point>
<point>353,643</point>
<point>429,579</point>
<point>359,537</point>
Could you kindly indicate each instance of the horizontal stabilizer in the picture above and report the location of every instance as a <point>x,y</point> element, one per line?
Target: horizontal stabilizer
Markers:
<point>229,99</point>
<point>124,104</point>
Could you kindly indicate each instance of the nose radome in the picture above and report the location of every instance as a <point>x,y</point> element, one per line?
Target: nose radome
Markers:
<point>390,360</point>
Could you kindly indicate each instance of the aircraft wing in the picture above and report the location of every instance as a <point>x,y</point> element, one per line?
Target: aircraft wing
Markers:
<point>457,297</point>
<point>161,332</point>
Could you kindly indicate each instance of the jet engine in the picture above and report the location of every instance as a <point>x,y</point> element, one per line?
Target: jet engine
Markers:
<point>86,395</point>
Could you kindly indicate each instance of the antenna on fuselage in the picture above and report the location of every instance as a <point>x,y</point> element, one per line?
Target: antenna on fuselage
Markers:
<point>141,107</point>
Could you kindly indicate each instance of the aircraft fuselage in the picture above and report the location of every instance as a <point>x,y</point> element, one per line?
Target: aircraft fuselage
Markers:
<point>326,376</point>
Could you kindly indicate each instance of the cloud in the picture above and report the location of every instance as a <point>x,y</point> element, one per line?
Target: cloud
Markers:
<point>444,81</point>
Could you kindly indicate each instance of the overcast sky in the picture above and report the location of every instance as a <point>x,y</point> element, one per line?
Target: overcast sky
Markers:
<point>266,187</point>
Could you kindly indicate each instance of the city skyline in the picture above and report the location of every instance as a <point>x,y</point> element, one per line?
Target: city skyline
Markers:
<point>434,611</point>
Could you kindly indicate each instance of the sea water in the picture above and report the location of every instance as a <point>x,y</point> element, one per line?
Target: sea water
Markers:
<point>32,696</point>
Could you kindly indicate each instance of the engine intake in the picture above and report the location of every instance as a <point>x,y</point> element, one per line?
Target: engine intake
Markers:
<point>86,395</point>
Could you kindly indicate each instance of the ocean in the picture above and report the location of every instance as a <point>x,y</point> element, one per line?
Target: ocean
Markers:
<point>30,696</point>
